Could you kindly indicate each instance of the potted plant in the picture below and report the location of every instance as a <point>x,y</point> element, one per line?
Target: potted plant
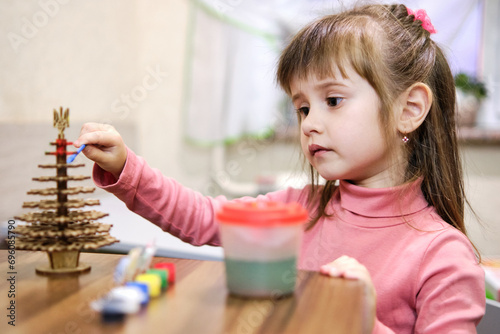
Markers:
<point>470,93</point>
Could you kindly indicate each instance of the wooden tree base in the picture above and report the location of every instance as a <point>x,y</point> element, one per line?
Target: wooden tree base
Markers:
<point>47,270</point>
<point>63,263</point>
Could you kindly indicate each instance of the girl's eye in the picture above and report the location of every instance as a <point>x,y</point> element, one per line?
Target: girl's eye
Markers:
<point>333,101</point>
<point>304,111</point>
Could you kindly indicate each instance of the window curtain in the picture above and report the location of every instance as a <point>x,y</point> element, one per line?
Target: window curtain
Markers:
<point>231,91</point>
<point>234,45</point>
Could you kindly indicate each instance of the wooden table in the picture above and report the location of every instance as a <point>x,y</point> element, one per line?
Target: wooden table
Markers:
<point>198,302</point>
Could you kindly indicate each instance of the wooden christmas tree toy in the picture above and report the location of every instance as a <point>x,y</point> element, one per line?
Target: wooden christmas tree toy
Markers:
<point>59,228</point>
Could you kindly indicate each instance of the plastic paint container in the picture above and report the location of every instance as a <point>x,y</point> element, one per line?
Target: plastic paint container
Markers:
<point>261,243</point>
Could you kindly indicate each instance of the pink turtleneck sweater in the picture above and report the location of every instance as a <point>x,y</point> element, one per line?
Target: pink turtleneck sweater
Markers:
<point>425,273</point>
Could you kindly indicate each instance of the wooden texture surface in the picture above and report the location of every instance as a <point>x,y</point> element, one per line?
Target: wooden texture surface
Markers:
<point>198,302</point>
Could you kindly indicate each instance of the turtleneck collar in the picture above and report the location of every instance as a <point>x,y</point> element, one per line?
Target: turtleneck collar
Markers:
<point>396,201</point>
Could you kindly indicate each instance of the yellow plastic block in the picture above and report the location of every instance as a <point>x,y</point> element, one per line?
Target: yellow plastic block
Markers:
<point>153,282</point>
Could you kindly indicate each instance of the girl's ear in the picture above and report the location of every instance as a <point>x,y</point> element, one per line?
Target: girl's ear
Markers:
<point>415,103</point>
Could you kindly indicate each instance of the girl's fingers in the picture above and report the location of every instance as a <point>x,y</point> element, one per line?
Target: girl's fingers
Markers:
<point>91,127</point>
<point>350,268</point>
<point>98,134</point>
<point>94,153</point>
<point>346,267</point>
<point>99,138</point>
<point>334,272</point>
<point>324,269</point>
<point>355,274</point>
<point>105,146</point>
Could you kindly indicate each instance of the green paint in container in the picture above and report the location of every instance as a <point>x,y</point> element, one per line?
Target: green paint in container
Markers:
<point>261,278</point>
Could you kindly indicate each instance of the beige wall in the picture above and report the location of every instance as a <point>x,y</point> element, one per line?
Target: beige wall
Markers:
<point>81,55</point>
<point>108,61</point>
<point>113,61</point>
<point>482,180</point>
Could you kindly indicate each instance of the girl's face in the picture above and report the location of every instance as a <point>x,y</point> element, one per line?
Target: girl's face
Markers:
<point>340,131</point>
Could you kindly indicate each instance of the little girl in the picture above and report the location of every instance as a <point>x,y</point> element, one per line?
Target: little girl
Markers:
<point>375,100</point>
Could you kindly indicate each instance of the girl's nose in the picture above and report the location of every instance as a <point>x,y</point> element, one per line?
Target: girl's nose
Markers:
<point>311,123</point>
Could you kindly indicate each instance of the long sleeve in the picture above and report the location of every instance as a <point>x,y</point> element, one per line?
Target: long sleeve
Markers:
<point>451,296</point>
<point>180,211</point>
<point>449,291</point>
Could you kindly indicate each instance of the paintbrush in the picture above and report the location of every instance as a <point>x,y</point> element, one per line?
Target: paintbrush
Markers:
<point>73,156</point>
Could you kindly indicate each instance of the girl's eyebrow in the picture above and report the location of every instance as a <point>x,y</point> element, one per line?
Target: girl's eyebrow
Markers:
<point>297,96</point>
<point>322,85</point>
<point>329,83</point>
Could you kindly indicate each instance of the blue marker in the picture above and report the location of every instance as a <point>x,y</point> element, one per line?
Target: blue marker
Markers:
<point>73,156</point>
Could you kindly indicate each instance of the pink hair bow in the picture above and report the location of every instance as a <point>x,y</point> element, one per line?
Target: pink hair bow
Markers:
<point>421,15</point>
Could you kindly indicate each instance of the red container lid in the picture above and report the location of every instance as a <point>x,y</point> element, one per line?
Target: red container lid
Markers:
<point>262,213</point>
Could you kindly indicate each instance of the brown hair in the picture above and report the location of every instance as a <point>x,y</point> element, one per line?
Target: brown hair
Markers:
<point>391,50</point>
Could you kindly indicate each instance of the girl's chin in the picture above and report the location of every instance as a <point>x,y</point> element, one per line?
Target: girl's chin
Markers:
<point>330,176</point>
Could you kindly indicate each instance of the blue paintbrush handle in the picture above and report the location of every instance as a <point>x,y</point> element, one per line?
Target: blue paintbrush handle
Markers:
<point>73,156</point>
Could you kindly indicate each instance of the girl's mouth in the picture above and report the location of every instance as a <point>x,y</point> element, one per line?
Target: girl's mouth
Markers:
<point>317,149</point>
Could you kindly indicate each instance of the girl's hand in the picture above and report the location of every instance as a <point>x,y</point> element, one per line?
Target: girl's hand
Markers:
<point>349,268</point>
<point>105,147</point>
<point>346,267</point>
